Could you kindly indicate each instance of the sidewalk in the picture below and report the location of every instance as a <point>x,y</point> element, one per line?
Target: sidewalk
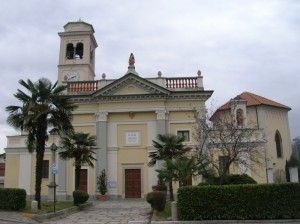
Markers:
<point>14,217</point>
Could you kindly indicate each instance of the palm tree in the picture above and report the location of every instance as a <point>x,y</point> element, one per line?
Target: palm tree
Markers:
<point>43,107</point>
<point>168,146</point>
<point>80,147</point>
<point>182,169</point>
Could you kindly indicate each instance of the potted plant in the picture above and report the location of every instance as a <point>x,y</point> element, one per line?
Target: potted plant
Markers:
<point>102,185</point>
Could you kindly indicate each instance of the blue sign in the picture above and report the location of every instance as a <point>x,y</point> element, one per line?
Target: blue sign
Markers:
<point>54,168</point>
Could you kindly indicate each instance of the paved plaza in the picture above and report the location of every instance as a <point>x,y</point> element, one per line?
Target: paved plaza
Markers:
<point>121,211</point>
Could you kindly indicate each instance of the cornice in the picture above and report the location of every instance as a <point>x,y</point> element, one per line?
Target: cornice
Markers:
<point>141,97</point>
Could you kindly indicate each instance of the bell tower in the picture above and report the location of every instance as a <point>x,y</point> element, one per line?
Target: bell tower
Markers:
<point>77,52</point>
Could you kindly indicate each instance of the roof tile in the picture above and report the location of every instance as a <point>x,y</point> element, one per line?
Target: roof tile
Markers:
<point>255,100</point>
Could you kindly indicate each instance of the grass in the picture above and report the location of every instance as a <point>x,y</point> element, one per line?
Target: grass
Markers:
<point>48,207</point>
<point>164,215</point>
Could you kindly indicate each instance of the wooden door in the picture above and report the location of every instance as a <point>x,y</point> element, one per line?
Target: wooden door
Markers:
<point>83,180</point>
<point>132,183</point>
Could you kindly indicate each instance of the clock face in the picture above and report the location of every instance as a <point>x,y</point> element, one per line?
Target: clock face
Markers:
<point>73,76</point>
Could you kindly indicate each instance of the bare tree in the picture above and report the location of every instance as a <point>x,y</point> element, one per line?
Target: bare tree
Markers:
<point>225,139</point>
<point>296,147</point>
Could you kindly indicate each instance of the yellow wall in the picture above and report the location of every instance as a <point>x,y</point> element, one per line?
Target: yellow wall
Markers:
<point>277,119</point>
<point>181,115</point>
<point>12,171</point>
<point>136,155</point>
<point>45,182</point>
<point>131,117</point>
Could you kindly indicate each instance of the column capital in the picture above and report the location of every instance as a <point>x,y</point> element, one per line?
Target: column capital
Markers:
<point>101,116</point>
<point>161,114</point>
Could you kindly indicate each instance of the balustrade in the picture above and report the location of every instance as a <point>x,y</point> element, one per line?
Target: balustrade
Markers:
<point>175,83</point>
<point>83,86</point>
<point>171,83</point>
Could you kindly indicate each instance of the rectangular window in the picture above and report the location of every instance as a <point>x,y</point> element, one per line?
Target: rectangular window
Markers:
<point>45,169</point>
<point>223,162</point>
<point>185,134</point>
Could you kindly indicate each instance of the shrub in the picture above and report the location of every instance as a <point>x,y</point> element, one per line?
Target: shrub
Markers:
<point>231,179</point>
<point>239,179</point>
<point>159,200</point>
<point>253,201</point>
<point>149,198</point>
<point>80,197</point>
<point>12,198</point>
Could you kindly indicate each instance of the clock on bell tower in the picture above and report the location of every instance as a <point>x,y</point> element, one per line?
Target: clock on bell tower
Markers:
<point>77,52</point>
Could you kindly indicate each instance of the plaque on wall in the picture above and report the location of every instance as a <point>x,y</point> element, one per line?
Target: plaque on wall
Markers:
<point>112,184</point>
<point>132,138</point>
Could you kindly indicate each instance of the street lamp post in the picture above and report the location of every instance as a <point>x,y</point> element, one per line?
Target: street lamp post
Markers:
<point>53,184</point>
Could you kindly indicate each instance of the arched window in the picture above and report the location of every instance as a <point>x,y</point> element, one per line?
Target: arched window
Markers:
<point>70,51</point>
<point>79,50</point>
<point>239,118</point>
<point>278,142</point>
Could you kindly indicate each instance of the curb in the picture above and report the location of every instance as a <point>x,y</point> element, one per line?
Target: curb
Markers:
<point>61,213</point>
<point>282,221</point>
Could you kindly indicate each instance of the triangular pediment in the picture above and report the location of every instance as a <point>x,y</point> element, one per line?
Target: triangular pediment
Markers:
<point>131,84</point>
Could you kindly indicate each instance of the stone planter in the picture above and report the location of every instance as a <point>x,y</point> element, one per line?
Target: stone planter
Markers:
<point>103,197</point>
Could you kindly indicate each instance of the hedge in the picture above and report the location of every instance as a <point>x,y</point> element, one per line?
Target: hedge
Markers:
<point>239,202</point>
<point>12,198</point>
<point>80,197</point>
<point>149,198</point>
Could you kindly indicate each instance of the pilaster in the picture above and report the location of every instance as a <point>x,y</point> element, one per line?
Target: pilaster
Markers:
<point>62,180</point>
<point>162,122</point>
<point>101,151</point>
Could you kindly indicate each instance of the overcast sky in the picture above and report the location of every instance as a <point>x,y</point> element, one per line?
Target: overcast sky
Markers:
<point>238,45</point>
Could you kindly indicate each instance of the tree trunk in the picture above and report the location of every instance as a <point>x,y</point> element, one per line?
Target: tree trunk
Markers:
<point>171,191</point>
<point>40,149</point>
<point>77,177</point>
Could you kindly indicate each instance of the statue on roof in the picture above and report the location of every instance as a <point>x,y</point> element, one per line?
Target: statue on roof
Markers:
<point>131,60</point>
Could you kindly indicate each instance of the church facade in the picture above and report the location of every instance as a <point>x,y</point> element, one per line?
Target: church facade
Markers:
<point>124,114</point>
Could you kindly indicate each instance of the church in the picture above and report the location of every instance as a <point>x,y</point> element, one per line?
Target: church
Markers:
<point>125,115</point>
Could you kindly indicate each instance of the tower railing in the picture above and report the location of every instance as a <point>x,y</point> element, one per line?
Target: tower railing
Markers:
<point>82,86</point>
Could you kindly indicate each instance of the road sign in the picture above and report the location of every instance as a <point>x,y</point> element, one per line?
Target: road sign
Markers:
<point>54,168</point>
